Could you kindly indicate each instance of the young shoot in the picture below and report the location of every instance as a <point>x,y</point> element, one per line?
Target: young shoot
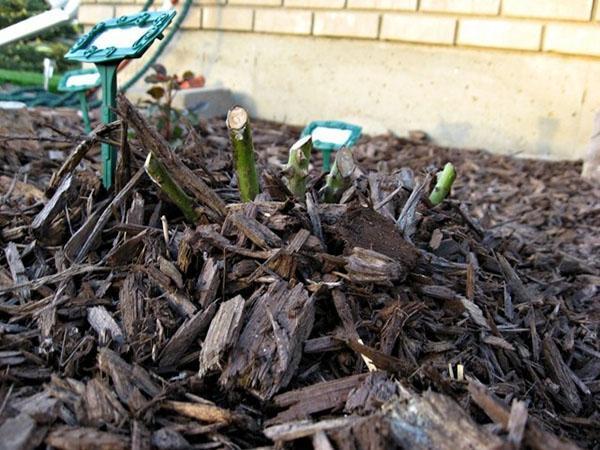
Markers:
<point>339,178</point>
<point>240,134</point>
<point>445,178</point>
<point>297,167</point>
<point>159,175</point>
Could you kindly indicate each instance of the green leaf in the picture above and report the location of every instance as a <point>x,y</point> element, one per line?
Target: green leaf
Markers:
<point>156,92</point>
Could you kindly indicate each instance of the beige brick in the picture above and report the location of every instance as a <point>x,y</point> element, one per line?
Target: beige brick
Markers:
<point>500,34</point>
<point>548,9</point>
<point>87,1</point>
<point>235,19</point>
<point>257,2</point>
<point>314,3</point>
<point>126,10</point>
<point>485,7</point>
<point>203,2</point>
<point>572,39</point>
<point>347,24</point>
<point>193,20</point>
<point>405,5</point>
<point>282,21</point>
<point>415,28</point>
<point>91,14</point>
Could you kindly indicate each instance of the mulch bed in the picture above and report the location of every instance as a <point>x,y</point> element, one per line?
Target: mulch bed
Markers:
<point>378,322</point>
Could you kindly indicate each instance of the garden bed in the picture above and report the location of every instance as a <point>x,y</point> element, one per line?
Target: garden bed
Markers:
<point>377,322</point>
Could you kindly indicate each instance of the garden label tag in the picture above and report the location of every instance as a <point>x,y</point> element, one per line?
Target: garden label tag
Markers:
<point>80,81</point>
<point>107,44</point>
<point>331,135</point>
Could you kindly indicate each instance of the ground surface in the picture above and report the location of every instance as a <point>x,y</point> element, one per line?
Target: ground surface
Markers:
<point>103,337</point>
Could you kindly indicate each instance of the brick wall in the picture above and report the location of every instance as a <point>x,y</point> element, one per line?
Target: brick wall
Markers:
<point>558,26</point>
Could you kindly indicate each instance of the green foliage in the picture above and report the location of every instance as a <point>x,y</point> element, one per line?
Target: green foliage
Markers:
<point>164,87</point>
<point>29,54</point>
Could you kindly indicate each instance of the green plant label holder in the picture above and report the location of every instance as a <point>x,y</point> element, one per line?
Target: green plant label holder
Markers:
<point>331,135</point>
<point>79,82</point>
<point>107,44</point>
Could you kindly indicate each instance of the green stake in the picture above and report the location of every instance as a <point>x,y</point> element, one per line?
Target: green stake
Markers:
<point>108,77</point>
<point>445,178</point>
<point>107,44</point>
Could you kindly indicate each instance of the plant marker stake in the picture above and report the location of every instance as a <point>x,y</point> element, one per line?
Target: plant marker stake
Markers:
<point>107,44</point>
<point>80,81</point>
<point>330,135</point>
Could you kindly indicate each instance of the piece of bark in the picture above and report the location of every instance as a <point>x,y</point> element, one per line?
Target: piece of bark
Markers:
<point>312,208</point>
<point>373,392</point>
<point>74,438</point>
<point>79,153</point>
<point>170,270</point>
<point>132,306</point>
<point>102,405</point>
<point>516,423</point>
<point>322,344</point>
<point>296,430</point>
<point>222,335</point>
<point>128,380</point>
<point>178,300</point>
<point>270,345</point>
<point>208,282</point>
<point>323,396</point>
<point>155,143</point>
<point>104,324</point>
<point>140,436</point>
<point>41,407</point>
<point>169,439</point>
<point>17,271</point>
<point>407,220</point>
<point>255,231</point>
<point>368,266</point>
<point>535,436</point>
<point>518,289</point>
<point>343,309</point>
<point>78,239</point>
<point>320,441</point>
<point>185,335</point>
<point>200,411</point>
<point>379,359</point>
<point>20,433</point>
<point>96,233</point>
<point>434,420</point>
<point>56,204</point>
<point>560,373</point>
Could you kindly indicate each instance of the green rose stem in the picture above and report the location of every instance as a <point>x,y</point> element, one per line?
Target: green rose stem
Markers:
<point>159,175</point>
<point>297,167</point>
<point>339,178</point>
<point>243,153</point>
<point>445,178</point>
